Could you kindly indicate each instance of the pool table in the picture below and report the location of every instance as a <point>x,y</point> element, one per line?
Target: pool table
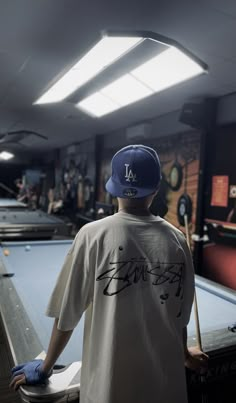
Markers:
<point>24,297</point>
<point>18,222</point>
<point>221,232</point>
<point>12,203</point>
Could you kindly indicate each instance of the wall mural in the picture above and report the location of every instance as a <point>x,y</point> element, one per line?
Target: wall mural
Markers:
<point>74,181</point>
<point>78,186</point>
<point>179,156</point>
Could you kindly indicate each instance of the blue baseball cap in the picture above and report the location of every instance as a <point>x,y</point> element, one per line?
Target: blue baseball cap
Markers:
<point>136,172</point>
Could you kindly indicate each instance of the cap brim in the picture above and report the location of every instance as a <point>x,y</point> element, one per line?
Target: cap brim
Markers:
<point>121,191</point>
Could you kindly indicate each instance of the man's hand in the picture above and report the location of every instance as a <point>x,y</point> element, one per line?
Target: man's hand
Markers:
<point>29,373</point>
<point>196,360</point>
<point>38,371</point>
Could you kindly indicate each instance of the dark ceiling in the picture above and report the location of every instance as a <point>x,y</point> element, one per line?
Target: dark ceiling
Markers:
<point>39,39</point>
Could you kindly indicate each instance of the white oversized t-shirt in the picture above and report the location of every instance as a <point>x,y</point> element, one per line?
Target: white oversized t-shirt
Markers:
<point>133,276</point>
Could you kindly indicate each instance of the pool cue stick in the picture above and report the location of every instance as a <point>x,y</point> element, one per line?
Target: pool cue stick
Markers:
<point>204,397</point>
<point>195,304</point>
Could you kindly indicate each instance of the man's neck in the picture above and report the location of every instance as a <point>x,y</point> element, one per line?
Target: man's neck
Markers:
<point>135,210</point>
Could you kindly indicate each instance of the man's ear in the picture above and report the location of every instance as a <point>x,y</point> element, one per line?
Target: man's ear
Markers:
<point>157,190</point>
<point>153,195</point>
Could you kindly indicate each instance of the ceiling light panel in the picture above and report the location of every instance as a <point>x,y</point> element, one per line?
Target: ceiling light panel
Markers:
<point>167,69</point>
<point>126,90</point>
<point>160,72</point>
<point>5,155</point>
<point>105,52</point>
<point>98,105</point>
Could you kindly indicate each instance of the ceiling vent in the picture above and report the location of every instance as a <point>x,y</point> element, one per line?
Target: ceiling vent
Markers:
<point>140,131</point>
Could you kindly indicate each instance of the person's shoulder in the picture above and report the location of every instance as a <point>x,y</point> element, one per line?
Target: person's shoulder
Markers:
<point>171,228</point>
<point>104,223</point>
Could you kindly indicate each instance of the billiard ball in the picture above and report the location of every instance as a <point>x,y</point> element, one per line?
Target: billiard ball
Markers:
<point>6,252</point>
<point>27,248</point>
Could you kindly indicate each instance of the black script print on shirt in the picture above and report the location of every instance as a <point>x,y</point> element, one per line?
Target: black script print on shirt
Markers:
<point>124,274</point>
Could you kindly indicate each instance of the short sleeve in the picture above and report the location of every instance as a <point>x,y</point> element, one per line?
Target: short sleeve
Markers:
<point>73,291</point>
<point>188,285</point>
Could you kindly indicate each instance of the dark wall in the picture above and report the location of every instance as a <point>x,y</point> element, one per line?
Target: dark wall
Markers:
<point>221,161</point>
<point>8,174</point>
<point>219,250</point>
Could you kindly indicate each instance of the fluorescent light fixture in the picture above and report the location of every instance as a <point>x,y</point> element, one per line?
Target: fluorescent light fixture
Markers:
<point>98,105</point>
<point>105,52</point>
<point>161,72</point>
<point>5,155</point>
<point>167,69</point>
<point>126,90</point>
<point>121,92</point>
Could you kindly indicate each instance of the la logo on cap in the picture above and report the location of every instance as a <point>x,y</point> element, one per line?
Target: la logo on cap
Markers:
<point>130,177</point>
